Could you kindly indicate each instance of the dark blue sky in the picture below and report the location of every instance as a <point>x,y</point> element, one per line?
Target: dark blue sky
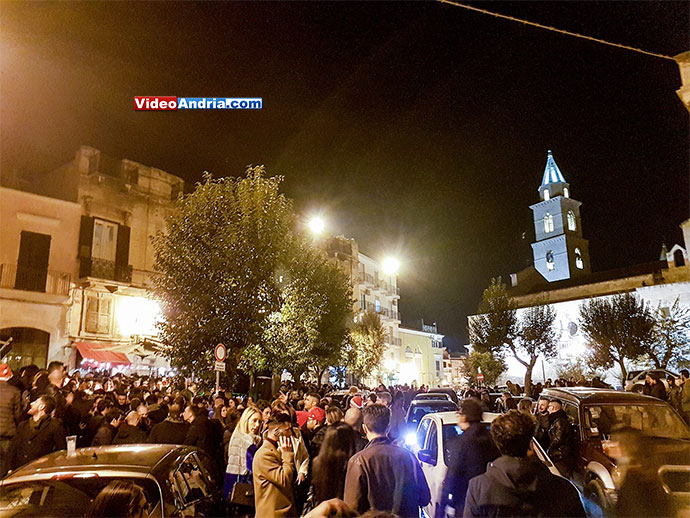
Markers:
<point>419,128</point>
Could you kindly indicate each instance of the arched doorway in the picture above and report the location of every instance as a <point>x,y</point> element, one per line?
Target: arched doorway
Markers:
<point>678,258</point>
<point>29,346</point>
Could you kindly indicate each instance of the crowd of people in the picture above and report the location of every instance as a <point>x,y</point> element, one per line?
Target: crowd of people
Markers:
<point>304,452</point>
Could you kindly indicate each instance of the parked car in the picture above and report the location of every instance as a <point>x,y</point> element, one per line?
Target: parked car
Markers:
<point>427,396</point>
<point>177,481</point>
<point>634,382</point>
<point>446,390</point>
<point>418,409</point>
<point>597,413</point>
<point>434,453</point>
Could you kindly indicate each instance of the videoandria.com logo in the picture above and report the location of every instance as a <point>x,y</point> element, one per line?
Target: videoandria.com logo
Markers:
<point>169,103</point>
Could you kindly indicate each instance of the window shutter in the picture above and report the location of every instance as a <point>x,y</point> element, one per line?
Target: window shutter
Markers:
<point>122,253</point>
<point>85,244</point>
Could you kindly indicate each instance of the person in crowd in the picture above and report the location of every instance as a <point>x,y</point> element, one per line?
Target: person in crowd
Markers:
<point>397,417</point>
<point>39,435</point>
<point>93,423</point>
<point>56,378</point>
<point>120,498</point>
<point>330,466</point>
<point>108,428</point>
<point>122,402</point>
<point>316,426</point>
<point>265,408</point>
<point>653,386</point>
<point>510,404</point>
<point>384,398</point>
<point>144,422</point>
<point>129,432</point>
<point>542,417</point>
<point>274,471</point>
<point>674,393</point>
<point>311,400</point>
<point>470,453</point>
<point>371,399</point>
<point>353,418</point>
<point>203,433</point>
<point>561,448</point>
<point>383,476</point>
<point>10,414</point>
<point>172,430</point>
<point>685,395</point>
<point>357,402</point>
<point>157,409</point>
<point>525,405</point>
<point>518,484</point>
<point>242,448</point>
<point>39,385</point>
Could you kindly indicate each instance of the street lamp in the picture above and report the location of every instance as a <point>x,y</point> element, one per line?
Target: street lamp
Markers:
<point>390,265</point>
<point>316,225</point>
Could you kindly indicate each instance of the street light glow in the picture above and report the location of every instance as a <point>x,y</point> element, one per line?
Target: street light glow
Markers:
<point>390,265</point>
<point>316,225</point>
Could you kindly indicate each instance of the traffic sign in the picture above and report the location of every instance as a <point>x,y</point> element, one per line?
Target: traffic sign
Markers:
<point>480,377</point>
<point>220,367</point>
<point>220,353</point>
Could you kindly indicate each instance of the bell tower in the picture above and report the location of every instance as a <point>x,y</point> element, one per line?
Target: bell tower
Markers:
<point>560,252</point>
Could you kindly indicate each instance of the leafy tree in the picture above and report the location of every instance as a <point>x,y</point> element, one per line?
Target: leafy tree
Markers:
<point>671,343</point>
<point>367,344</point>
<point>497,329</point>
<point>308,333</point>
<point>217,261</point>
<point>619,328</point>
<point>491,366</point>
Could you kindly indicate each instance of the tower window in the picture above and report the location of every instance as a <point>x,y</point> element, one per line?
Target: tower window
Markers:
<point>547,196</point>
<point>578,259</point>
<point>572,224</point>
<point>566,192</point>
<point>548,223</point>
<point>550,265</point>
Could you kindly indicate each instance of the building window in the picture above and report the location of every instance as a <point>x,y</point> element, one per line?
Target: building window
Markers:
<point>550,265</point>
<point>104,240</point>
<point>363,302</point>
<point>578,259</point>
<point>572,223</point>
<point>566,192</point>
<point>98,312</point>
<point>377,306</point>
<point>546,195</point>
<point>548,223</point>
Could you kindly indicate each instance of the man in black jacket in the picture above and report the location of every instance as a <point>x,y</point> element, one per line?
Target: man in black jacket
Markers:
<point>39,435</point>
<point>106,432</point>
<point>470,453</point>
<point>516,484</point>
<point>172,430</point>
<point>204,433</point>
<point>561,439</point>
<point>542,416</point>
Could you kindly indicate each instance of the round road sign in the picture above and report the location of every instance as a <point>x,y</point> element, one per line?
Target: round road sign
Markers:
<point>220,352</point>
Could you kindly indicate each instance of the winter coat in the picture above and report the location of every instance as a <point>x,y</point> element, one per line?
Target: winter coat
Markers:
<point>317,441</point>
<point>206,435</point>
<point>92,426</point>
<point>515,486</point>
<point>169,432</point>
<point>469,455</point>
<point>33,440</point>
<point>657,390</point>
<point>274,475</point>
<point>387,478</point>
<point>542,432</point>
<point>674,398</point>
<point>561,438</point>
<point>10,409</point>
<point>128,434</point>
<point>685,396</point>
<point>105,435</point>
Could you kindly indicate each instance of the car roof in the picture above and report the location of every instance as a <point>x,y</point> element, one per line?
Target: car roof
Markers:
<point>141,458</point>
<point>432,402</point>
<point>598,395</point>
<point>452,417</point>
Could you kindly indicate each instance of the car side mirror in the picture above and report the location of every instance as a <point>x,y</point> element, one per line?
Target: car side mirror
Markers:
<point>427,457</point>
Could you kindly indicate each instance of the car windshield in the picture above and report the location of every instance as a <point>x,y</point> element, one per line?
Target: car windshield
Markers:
<point>428,407</point>
<point>64,496</point>
<point>653,420</point>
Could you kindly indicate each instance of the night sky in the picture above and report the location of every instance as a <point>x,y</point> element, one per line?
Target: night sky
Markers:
<point>420,129</point>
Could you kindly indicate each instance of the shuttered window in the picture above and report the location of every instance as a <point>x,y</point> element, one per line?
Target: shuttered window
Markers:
<point>98,313</point>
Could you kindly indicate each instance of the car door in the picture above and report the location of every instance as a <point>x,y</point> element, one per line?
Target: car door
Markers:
<point>434,470</point>
<point>192,488</point>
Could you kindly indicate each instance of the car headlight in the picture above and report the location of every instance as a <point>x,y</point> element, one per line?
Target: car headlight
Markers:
<point>411,439</point>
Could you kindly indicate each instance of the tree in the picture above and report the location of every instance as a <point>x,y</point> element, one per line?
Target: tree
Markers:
<point>492,367</point>
<point>619,328</point>
<point>218,260</point>
<point>497,329</point>
<point>308,333</point>
<point>671,342</point>
<point>367,344</point>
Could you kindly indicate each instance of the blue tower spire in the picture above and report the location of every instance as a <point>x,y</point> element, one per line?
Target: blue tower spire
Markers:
<point>552,174</point>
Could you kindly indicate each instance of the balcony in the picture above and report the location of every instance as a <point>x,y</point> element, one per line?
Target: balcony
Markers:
<point>15,277</point>
<point>104,269</point>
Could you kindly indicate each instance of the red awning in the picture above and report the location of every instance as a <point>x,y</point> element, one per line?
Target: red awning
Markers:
<point>99,352</point>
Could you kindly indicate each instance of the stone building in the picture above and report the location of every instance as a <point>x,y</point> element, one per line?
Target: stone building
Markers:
<point>421,361</point>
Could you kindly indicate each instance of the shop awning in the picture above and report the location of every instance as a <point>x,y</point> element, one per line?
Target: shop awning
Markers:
<point>102,353</point>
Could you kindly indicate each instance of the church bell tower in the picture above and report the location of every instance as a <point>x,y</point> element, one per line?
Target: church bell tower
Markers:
<point>560,252</point>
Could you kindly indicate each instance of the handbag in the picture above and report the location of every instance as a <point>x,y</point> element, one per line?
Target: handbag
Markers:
<point>242,494</point>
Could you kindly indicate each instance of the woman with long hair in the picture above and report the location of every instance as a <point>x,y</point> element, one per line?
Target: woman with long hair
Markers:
<point>330,466</point>
<point>120,498</point>
<point>243,444</point>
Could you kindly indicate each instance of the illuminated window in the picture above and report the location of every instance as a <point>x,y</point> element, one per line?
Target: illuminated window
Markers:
<point>578,259</point>
<point>550,265</point>
<point>547,196</point>
<point>572,224</point>
<point>548,223</point>
<point>377,305</point>
<point>566,192</point>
